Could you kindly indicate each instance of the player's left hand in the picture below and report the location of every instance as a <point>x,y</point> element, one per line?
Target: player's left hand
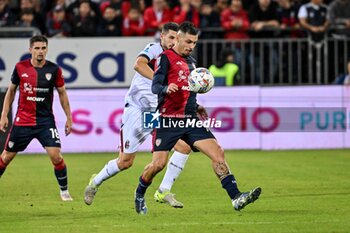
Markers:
<point>202,113</point>
<point>172,88</point>
<point>4,124</point>
<point>68,127</point>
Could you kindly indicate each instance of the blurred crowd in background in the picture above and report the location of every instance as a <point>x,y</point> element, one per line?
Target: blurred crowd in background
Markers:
<point>239,49</point>
<point>235,19</point>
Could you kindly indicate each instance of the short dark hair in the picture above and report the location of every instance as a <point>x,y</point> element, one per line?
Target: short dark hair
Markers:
<point>170,26</point>
<point>38,39</point>
<point>188,27</point>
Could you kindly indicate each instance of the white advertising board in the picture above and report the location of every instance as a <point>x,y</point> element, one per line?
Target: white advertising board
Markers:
<point>86,62</point>
<point>252,118</point>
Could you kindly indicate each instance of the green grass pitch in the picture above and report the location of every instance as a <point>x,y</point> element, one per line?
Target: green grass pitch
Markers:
<point>303,191</point>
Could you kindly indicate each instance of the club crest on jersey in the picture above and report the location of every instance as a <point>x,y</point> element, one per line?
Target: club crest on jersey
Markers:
<point>127,144</point>
<point>48,76</point>
<point>158,141</point>
<point>11,144</point>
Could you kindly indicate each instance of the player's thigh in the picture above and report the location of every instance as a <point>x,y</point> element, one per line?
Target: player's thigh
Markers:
<point>19,138</point>
<point>203,140</point>
<point>133,134</point>
<point>48,136</point>
<point>211,148</point>
<point>182,147</point>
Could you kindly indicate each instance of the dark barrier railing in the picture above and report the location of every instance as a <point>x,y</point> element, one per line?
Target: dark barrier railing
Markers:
<point>19,32</point>
<point>282,61</point>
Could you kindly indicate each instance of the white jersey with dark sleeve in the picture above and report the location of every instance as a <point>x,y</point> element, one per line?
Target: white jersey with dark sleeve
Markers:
<point>140,94</point>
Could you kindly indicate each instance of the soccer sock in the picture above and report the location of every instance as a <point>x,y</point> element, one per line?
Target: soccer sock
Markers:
<point>2,167</point>
<point>230,185</point>
<point>61,175</point>
<point>110,169</point>
<point>143,185</point>
<point>175,166</point>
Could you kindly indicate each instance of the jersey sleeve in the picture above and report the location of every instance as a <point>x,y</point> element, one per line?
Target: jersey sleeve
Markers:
<point>150,52</point>
<point>159,85</point>
<point>59,82</point>
<point>302,12</point>
<point>14,77</point>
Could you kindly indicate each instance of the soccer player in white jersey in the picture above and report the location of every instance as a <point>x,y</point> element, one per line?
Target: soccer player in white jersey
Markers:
<point>139,98</point>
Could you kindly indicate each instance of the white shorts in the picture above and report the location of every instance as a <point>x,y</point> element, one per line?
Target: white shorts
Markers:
<point>132,133</point>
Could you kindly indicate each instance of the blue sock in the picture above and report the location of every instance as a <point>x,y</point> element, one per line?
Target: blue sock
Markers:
<point>142,187</point>
<point>230,185</point>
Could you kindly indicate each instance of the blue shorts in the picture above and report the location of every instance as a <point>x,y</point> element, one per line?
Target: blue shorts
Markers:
<point>20,137</point>
<point>164,139</point>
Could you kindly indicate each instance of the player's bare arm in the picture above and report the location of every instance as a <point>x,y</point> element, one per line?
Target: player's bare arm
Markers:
<point>141,66</point>
<point>202,112</point>
<point>66,108</point>
<point>9,97</point>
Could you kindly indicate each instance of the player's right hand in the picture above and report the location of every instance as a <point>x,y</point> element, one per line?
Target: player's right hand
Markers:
<point>3,124</point>
<point>172,88</point>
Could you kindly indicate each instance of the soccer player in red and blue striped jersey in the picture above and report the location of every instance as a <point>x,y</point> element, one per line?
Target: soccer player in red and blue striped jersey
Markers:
<point>36,79</point>
<point>177,103</point>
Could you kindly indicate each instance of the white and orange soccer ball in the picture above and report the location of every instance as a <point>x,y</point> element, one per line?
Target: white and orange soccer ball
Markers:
<point>200,80</point>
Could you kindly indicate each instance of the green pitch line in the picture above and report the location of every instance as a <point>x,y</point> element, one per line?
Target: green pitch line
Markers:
<point>303,191</point>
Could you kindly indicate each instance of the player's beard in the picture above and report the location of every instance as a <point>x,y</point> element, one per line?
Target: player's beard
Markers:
<point>187,53</point>
<point>40,59</point>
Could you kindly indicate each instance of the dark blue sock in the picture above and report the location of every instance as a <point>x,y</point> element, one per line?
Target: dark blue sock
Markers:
<point>143,185</point>
<point>62,179</point>
<point>230,185</point>
<point>2,171</point>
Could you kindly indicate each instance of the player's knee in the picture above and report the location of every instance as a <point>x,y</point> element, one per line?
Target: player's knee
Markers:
<point>6,158</point>
<point>125,161</point>
<point>219,156</point>
<point>56,160</point>
<point>3,164</point>
<point>125,164</point>
<point>182,147</point>
<point>221,152</point>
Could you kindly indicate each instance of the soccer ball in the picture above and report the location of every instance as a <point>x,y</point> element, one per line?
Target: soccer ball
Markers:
<point>200,80</point>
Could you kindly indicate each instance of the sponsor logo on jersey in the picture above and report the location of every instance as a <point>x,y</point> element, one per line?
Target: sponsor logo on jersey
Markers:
<point>35,99</point>
<point>185,88</point>
<point>48,76</point>
<point>40,89</point>
<point>179,63</point>
<point>24,75</point>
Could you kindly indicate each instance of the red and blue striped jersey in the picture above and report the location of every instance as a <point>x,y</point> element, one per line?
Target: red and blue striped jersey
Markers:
<point>173,68</point>
<point>36,92</point>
